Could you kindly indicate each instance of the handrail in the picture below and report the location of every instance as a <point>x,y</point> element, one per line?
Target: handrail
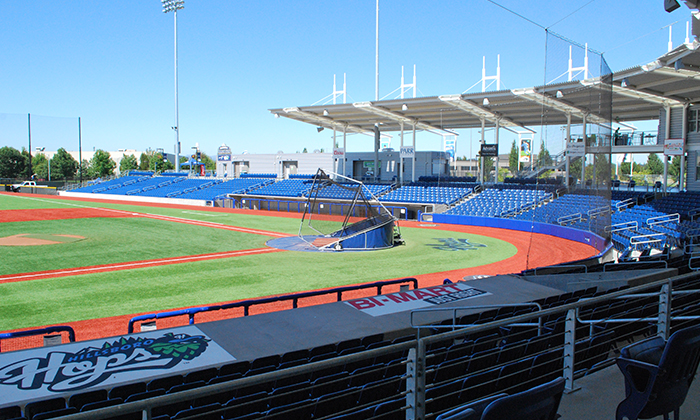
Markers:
<point>674,217</point>
<point>634,263</point>
<point>467,308</point>
<point>246,304</point>
<point>647,239</point>
<point>554,267</point>
<point>625,204</point>
<point>570,217</point>
<point>41,331</point>
<point>622,226</point>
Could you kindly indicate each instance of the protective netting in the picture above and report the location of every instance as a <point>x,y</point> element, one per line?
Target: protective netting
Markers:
<point>48,133</point>
<point>585,204</point>
<point>339,208</point>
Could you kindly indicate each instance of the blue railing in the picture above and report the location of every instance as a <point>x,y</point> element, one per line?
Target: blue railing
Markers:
<point>246,304</point>
<point>40,331</point>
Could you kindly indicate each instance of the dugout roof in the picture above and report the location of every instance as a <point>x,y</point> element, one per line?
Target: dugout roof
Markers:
<point>638,94</point>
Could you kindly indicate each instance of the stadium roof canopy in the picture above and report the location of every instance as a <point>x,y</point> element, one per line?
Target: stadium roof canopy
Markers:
<point>638,93</point>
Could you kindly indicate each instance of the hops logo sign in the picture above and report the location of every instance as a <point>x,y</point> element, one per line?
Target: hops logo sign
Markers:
<point>114,361</point>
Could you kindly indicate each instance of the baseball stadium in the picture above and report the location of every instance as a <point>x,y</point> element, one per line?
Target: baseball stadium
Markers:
<point>375,285</point>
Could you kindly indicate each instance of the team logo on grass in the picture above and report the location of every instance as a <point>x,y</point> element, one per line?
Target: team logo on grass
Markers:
<point>64,371</point>
<point>456,244</point>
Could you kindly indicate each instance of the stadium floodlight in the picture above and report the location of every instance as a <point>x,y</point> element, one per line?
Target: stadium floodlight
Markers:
<point>174,6</point>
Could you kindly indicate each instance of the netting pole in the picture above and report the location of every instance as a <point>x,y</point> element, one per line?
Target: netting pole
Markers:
<point>583,158</point>
<point>29,133</point>
<point>413,158</point>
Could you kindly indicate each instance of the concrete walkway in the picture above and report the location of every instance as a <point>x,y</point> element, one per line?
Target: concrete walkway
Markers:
<point>601,392</point>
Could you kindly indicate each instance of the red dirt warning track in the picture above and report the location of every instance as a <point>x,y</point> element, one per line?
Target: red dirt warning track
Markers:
<point>534,250</point>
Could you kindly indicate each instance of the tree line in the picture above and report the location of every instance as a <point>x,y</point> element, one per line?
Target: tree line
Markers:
<point>17,164</point>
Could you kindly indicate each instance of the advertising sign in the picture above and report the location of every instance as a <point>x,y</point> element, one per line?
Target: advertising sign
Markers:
<point>575,149</point>
<point>525,150</point>
<point>51,371</point>
<point>449,147</point>
<point>408,151</point>
<point>489,150</point>
<point>673,147</point>
<point>338,152</point>
<point>415,299</point>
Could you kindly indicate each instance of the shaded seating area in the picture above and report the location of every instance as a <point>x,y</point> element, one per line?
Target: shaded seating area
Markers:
<point>658,374</point>
<point>538,403</point>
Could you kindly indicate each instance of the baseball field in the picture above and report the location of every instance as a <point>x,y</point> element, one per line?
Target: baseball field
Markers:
<point>94,264</point>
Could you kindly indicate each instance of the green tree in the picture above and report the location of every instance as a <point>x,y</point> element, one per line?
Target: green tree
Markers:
<point>304,151</point>
<point>674,169</point>
<point>488,167</point>
<point>513,158</point>
<point>102,163</point>
<point>63,165</point>
<point>128,163</point>
<point>158,163</point>
<point>12,163</point>
<point>27,173</point>
<point>654,165</point>
<point>543,158</point>
<point>88,170</point>
<point>40,166</point>
<point>208,162</point>
<point>144,161</point>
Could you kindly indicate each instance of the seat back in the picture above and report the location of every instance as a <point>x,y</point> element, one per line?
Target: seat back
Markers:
<point>540,402</point>
<point>681,356</point>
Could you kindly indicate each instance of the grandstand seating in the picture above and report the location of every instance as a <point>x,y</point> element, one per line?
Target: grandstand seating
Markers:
<point>426,194</point>
<point>498,202</point>
<point>284,188</point>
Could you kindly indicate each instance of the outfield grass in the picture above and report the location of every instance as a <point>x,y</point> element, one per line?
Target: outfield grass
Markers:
<point>66,299</point>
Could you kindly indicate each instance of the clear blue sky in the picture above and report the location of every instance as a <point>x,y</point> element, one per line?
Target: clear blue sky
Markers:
<point>111,63</point>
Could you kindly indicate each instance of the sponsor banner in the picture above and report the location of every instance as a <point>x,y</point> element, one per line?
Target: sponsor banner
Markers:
<point>415,299</point>
<point>525,150</point>
<point>408,151</point>
<point>224,158</point>
<point>47,372</point>
<point>450,146</point>
<point>339,152</point>
<point>673,147</point>
<point>489,150</point>
<point>577,149</point>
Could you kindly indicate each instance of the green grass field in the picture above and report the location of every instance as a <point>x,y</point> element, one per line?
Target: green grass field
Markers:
<point>112,240</point>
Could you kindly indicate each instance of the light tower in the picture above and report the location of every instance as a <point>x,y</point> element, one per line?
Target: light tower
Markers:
<point>174,6</point>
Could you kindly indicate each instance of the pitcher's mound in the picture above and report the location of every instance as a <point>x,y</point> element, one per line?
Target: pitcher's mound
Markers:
<point>32,239</point>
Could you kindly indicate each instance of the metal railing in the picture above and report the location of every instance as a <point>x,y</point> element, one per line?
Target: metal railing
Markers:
<point>247,304</point>
<point>659,308</point>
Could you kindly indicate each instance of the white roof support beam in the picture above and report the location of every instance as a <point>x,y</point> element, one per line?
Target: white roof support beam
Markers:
<point>557,104</point>
<point>395,116</point>
<point>323,121</point>
<point>482,113</point>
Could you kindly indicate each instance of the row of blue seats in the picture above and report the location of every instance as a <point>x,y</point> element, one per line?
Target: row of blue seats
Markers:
<point>494,203</point>
<point>425,194</point>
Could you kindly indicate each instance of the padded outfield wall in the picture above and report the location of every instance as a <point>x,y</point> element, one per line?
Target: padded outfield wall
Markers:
<point>582,236</point>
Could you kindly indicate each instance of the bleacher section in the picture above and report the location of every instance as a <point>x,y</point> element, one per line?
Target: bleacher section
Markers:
<point>212,191</point>
<point>500,202</point>
<point>284,188</point>
<point>566,209</point>
<point>107,186</point>
<point>426,194</point>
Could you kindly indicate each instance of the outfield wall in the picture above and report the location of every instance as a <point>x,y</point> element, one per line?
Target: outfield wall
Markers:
<point>576,235</point>
<point>137,198</point>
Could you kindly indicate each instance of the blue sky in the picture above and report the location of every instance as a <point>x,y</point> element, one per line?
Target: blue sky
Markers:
<point>111,64</point>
